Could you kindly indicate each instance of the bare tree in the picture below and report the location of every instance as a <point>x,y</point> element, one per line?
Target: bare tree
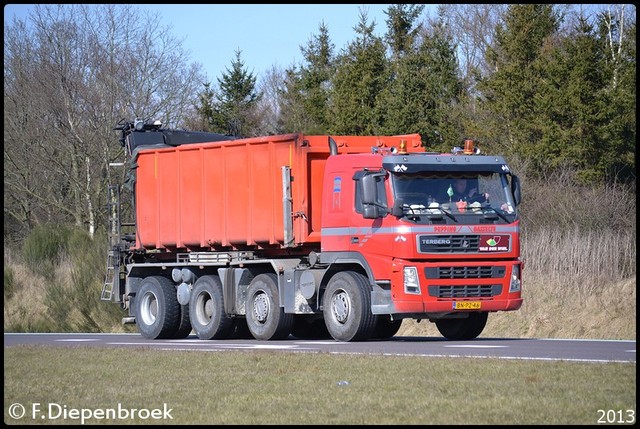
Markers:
<point>268,109</point>
<point>71,73</point>
<point>472,27</point>
<point>616,19</point>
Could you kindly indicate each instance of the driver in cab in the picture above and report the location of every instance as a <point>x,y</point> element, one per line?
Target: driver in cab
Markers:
<point>458,192</point>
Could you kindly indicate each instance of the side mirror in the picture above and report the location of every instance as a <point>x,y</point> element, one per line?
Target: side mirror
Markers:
<point>371,207</point>
<point>369,189</point>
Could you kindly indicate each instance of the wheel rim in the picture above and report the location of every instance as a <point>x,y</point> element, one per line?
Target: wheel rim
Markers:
<point>204,308</point>
<point>149,308</point>
<point>261,307</point>
<point>340,306</point>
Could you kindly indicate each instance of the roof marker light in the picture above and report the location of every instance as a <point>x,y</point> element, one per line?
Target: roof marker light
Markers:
<point>403,146</point>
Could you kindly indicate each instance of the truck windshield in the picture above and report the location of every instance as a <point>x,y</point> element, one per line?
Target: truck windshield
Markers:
<point>423,195</point>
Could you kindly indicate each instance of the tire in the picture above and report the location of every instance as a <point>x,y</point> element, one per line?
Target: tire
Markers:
<point>184,324</point>
<point>206,310</point>
<point>305,328</point>
<point>463,329</point>
<point>157,308</point>
<point>347,307</point>
<point>265,318</point>
<point>386,328</point>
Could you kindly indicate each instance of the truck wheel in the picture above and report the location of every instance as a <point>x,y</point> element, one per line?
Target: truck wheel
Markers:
<point>265,318</point>
<point>347,307</point>
<point>463,329</point>
<point>184,324</point>
<point>206,309</point>
<point>386,328</point>
<point>157,308</point>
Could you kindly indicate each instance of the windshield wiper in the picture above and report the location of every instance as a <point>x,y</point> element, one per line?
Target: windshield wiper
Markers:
<point>488,211</point>
<point>437,215</point>
<point>408,210</point>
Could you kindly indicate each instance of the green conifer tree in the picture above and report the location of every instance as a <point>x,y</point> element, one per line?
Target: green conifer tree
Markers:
<point>509,93</point>
<point>361,75</point>
<point>232,109</point>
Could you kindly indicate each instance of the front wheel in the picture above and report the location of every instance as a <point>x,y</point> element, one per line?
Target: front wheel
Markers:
<point>463,329</point>
<point>265,318</point>
<point>347,307</point>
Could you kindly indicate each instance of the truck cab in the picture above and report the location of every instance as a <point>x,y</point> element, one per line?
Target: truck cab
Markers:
<point>429,255</point>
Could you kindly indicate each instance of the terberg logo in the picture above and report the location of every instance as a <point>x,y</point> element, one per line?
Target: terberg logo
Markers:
<point>436,241</point>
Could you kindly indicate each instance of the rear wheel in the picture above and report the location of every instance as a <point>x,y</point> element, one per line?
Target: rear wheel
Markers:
<point>347,307</point>
<point>463,329</point>
<point>206,308</point>
<point>265,318</point>
<point>157,311</point>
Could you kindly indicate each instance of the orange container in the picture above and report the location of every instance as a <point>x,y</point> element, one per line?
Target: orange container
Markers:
<point>228,195</point>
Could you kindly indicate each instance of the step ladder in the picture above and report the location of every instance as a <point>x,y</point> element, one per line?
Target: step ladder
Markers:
<point>113,275</point>
<point>115,244</point>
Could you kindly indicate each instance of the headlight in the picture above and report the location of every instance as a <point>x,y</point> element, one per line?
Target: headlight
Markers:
<point>411,282</point>
<point>515,284</point>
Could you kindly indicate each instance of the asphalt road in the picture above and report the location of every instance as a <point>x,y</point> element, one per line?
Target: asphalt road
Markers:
<point>602,351</point>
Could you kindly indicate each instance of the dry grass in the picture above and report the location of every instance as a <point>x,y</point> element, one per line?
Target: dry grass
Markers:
<point>52,304</point>
<point>587,257</point>
<point>27,305</point>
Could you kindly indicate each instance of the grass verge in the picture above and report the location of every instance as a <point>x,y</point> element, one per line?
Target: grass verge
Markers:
<point>303,388</point>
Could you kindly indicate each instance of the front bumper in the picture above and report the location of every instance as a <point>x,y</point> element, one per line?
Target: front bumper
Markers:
<point>446,287</point>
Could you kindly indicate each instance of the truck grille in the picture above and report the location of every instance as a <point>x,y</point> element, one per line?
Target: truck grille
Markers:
<point>470,291</point>
<point>448,243</point>
<point>474,272</point>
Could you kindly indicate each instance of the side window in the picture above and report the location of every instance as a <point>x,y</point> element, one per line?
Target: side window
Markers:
<point>358,196</point>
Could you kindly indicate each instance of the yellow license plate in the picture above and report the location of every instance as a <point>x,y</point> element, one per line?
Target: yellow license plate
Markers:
<point>466,305</point>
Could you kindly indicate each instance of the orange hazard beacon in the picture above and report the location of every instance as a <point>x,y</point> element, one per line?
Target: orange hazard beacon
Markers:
<point>337,237</point>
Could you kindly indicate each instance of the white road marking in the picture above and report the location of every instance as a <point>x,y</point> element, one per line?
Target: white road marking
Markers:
<point>472,346</point>
<point>256,346</point>
<point>206,344</point>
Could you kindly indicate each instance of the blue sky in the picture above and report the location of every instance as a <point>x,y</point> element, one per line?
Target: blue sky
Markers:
<point>266,34</point>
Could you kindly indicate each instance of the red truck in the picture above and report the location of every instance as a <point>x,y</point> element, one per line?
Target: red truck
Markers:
<point>338,237</point>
